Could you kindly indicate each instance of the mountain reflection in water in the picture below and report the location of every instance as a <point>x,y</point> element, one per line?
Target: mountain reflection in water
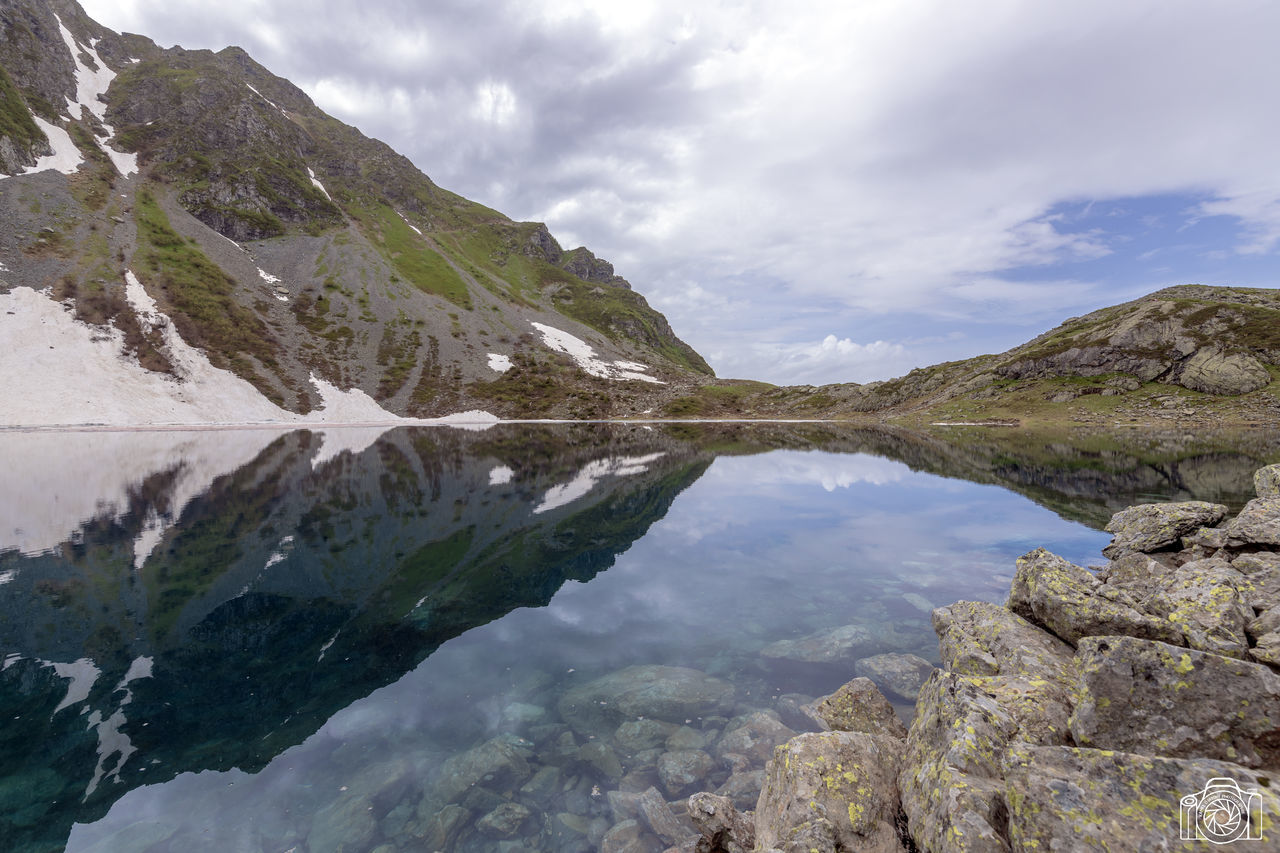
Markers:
<point>255,640</point>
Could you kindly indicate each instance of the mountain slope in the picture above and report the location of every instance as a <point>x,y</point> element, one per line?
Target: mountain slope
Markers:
<point>285,244</point>
<point>1187,352</point>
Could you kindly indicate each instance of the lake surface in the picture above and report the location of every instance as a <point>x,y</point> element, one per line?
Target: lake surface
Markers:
<point>432,638</point>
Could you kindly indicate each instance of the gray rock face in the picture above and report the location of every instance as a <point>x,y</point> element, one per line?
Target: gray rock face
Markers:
<point>901,675</point>
<point>1066,599</point>
<point>845,780</point>
<point>859,706</point>
<point>1151,527</point>
<point>1062,798</point>
<point>1214,372</point>
<point>670,693</point>
<point>1266,481</point>
<point>1202,600</point>
<point>1261,579</point>
<point>721,824</point>
<point>1257,524</point>
<point>838,645</point>
<point>978,638</point>
<point>952,779</point>
<point>1196,705</point>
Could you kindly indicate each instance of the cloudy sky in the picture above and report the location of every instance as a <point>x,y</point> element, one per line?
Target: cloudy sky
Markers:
<point>820,191</point>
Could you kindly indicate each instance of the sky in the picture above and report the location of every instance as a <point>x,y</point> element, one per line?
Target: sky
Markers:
<point>819,192</point>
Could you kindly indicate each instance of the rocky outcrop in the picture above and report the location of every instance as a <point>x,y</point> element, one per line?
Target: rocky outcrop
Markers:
<point>1226,374</point>
<point>1135,708</point>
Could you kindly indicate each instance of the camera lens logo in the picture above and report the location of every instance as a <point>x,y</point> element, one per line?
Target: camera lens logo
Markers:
<point>1220,813</point>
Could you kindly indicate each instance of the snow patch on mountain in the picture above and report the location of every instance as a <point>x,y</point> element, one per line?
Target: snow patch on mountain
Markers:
<point>585,356</point>
<point>410,224</point>
<point>91,84</point>
<point>499,362</point>
<point>66,157</point>
<point>318,185</point>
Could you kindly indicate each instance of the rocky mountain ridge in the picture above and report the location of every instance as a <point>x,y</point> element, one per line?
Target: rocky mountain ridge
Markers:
<point>286,244</point>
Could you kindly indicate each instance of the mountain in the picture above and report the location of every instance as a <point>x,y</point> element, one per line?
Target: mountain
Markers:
<point>1187,353</point>
<point>192,206</point>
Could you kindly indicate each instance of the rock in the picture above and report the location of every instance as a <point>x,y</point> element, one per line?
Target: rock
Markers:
<point>661,820</point>
<point>348,823</point>
<point>1261,578</point>
<point>838,645</point>
<point>1063,798</point>
<point>497,763</point>
<point>952,779</point>
<point>1265,632</point>
<point>442,828</point>
<point>627,837</point>
<point>1148,697</point>
<point>1208,538</point>
<point>796,712</point>
<point>846,779</point>
<point>859,706</point>
<point>683,769</point>
<point>978,638</point>
<point>918,601</point>
<point>686,738</point>
<point>522,714</point>
<point>1203,601</point>
<point>1257,524</point>
<point>544,786</point>
<point>1151,527</point>
<point>1212,371</point>
<point>899,674</point>
<point>1266,481</point>
<point>754,736</point>
<point>504,821</point>
<point>1064,598</point>
<point>670,693</point>
<point>639,735</point>
<point>743,788</point>
<point>721,824</point>
<point>601,759</point>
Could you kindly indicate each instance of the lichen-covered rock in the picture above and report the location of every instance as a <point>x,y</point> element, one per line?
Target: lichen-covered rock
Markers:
<point>1261,578</point>
<point>1257,524</point>
<point>1203,601</point>
<point>1154,698</point>
<point>859,706</point>
<point>899,674</point>
<point>1265,632</point>
<point>1212,371</point>
<point>1266,481</point>
<point>838,645</point>
<point>683,770</point>
<point>754,736</point>
<point>724,827</point>
<point>978,638</point>
<point>847,779</point>
<point>1151,527</point>
<point>1064,598</point>
<point>670,693</point>
<point>1063,798</point>
<point>952,779</point>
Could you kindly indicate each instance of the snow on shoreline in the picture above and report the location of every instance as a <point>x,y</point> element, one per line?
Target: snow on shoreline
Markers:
<point>61,372</point>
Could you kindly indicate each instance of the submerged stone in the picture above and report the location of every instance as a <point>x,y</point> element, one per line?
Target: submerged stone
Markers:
<point>754,736</point>
<point>684,769</point>
<point>899,674</point>
<point>670,693</point>
<point>837,645</point>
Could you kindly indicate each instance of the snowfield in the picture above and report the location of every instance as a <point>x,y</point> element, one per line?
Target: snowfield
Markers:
<point>63,372</point>
<point>585,357</point>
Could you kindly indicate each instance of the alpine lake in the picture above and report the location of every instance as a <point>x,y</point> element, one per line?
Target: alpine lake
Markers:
<point>525,637</point>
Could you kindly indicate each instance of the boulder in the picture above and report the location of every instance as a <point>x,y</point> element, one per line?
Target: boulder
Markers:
<point>743,788</point>
<point>682,770</point>
<point>601,759</point>
<point>1066,599</point>
<point>796,712</point>
<point>837,645</point>
<point>978,638</point>
<point>754,736</point>
<point>841,784</point>
<point>638,735</point>
<point>1154,698</point>
<point>1064,798</point>
<point>1260,574</point>
<point>1212,371</point>
<point>859,706</point>
<point>1266,481</point>
<point>721,824</point>
<point>1257,524</point>
<point>899,674</point>
<point>1265,632</point>
<point>1152,527</point>
<point>498,763</point>
<point>1203,601</point>
<point>629,837</point>
<point>504,821</point>
<point>670,693</point>
<point>952,780</point>
<point>661,820</point>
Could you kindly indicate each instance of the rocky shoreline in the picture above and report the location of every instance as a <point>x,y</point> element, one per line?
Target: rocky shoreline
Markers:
<point>1132,708</point>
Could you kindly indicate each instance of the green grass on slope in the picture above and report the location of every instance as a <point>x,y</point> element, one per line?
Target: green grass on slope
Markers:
<point>15,119</point>
<point>408,252</point>
<point>201,298</point>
